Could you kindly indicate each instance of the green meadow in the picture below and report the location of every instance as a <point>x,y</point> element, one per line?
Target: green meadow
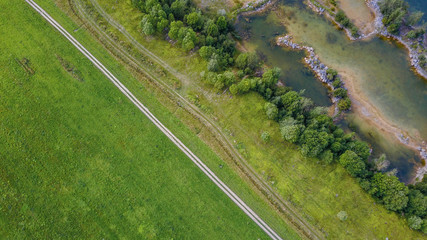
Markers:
<point>79,161</point>
<point>318,192</point>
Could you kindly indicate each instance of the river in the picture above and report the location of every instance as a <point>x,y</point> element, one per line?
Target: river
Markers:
<point>376,71</point>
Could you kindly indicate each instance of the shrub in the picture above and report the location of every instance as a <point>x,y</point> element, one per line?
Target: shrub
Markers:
<point>342,215</point>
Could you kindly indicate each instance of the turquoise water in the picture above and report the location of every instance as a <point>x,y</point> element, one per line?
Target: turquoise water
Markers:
<point>379,68</point>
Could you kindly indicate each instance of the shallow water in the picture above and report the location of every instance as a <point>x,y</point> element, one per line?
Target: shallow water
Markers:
<point>379,68</point>
<point>293,71</point>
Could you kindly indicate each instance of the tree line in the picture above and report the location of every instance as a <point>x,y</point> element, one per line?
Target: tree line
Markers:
<point>300,121</point>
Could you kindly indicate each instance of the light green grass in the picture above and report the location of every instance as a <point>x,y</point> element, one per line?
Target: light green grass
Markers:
<point>79,161</point>
<point>318,192</point>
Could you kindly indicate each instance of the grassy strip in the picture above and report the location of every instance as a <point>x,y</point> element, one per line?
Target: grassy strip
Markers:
<point>75,163</point>
<point>364,207</point>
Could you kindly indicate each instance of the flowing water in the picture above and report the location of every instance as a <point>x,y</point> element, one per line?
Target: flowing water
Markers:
<point>379,71</point>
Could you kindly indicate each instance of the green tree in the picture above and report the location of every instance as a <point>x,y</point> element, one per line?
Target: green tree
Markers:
<point>248,62</point>
<point>222,23</point>
<point>292,103</point>
<point>344,104</point>
<point>234,89</point>
<point>327,156</point>
<point>213,64</point>
<point>415,222</point>
<point>392,192</point>
<point>175,26</point>
<point>148,29</point>
<point>206,51</point>
<point>290,129</point>
<point>178,8</point>
<point>354,165</point>
<point>211,28</point>
<point>422,186</point>
<point>162,25</point>
<point>194,20</point>
<point>313,142</point>
<point>244,86</point>
<point>271,76</point>
<point>189,40</point>
<point>331,74</point>
<point>340,92</point>
<point>361,148</point>
<point>417,203</point>
<point>271,111</point>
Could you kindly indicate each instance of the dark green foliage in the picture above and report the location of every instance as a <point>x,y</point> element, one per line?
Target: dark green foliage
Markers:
<point>340,92</point>
<point>327,156</point>
<point>417,204</point>
<point>354,31</point>
<point>362,149</point>
<point>344,104</point>
<point>341,18</point>
<point>331,74</point>
<point>271,77</point>
<point>222,23</point>
<point>314,142</point>
<point>211,29</point>
<point>352,162</point>
<point>416,33</point>
<point>337,83</point>
<point>390,191</point>
<point>206,52</point>
<point>421,186</point>
<point>248,62</point>
<point>394,12</point>
<point>194,20</point>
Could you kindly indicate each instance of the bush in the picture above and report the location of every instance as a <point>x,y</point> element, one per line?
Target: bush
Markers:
<point>340,92</point>
<point>344,104</point>
<point>337,83</point>
<point>265,136</point>
<point>342,215</point>
<point>271,111</point>
<point>415,222</point>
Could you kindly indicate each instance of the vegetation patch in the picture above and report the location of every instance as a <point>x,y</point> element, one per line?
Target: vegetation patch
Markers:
<point>70,68</point>
<point>25,63</point>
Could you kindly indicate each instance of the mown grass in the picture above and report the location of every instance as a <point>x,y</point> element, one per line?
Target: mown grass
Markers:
<point>318,192</point>
<point>79,161</point>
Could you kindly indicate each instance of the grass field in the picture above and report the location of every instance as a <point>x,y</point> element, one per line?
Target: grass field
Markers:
<point>79,161</point>
<point>319,192</point>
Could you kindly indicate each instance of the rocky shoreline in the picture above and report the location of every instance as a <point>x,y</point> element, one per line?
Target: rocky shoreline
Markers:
<point>311,60</point>
<point>255,7</point>
<point>381,30</point>
<point>320,10</point>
